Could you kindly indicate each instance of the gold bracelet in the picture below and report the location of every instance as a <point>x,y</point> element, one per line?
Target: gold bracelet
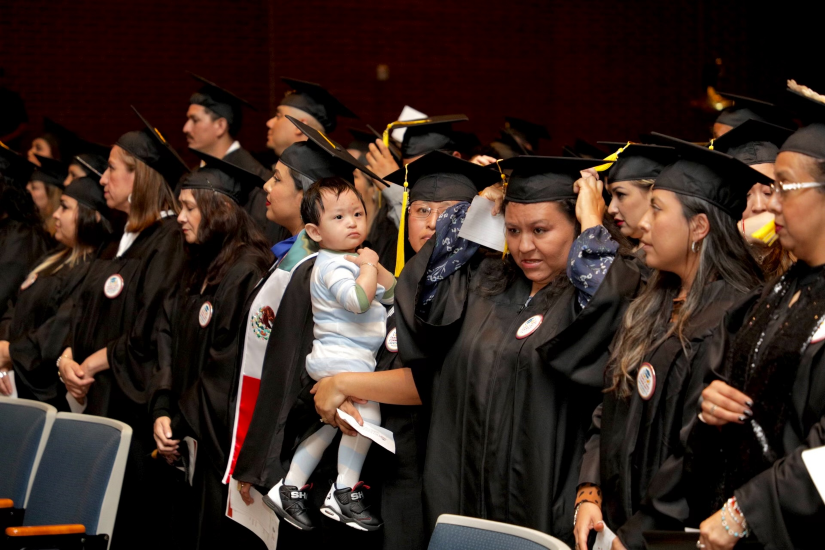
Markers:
<point>369,264</point>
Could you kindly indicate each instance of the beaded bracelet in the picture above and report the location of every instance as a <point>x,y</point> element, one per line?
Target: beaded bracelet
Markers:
<point>736,534</point>
<point>576,511</point>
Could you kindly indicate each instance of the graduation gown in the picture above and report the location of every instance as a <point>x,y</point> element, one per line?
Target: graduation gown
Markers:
<point>36,338</point>
<point>255,204</point>
<point>781,504</point>
<point>383,237</point>
<point>632,439</point>
<point>20,247</point>
<point>508,414</point>
<point>198,345</point>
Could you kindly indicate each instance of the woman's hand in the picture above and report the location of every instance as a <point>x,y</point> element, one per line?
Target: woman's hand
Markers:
<point>722,404</point>
<point>6,386</point>
<point>96,362</point>
<point>5,357</point>
<point>243,489</point>
<point>167,446</point>
<point>483,160</point>
<point>590,205</point>
<point>494,193</point>
<point>713,536</point>
<point>329,398</point>
<point>589,517</point>
<point>73,376</point>
<point>380,160</point>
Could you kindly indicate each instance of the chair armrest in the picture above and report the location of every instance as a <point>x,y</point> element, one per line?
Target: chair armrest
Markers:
<point>40,530</point>
<point>6,503</point>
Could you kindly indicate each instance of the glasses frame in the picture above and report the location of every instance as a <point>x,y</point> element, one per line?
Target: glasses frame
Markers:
<point>780,188</point>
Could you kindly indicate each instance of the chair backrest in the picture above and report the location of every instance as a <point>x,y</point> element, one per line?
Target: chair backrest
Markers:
<point>465,533</point>
<point>80,474</point>
<point>24,429</point>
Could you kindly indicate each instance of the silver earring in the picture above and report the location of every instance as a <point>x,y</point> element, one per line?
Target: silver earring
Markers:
<point>129,198</point>
<point>694,247</point>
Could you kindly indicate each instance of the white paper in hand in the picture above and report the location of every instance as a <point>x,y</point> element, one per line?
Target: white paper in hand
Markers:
<point>814,460</point>
<point>380,435</point>
<point>481,227</point>
<point>407,113</point>
<point>604,540</point>
<point>10,376</point>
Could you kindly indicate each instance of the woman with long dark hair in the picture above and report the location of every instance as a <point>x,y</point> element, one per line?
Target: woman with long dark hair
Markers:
<point>701,267</point>
<point>29,340</point>
<point>227,256</point>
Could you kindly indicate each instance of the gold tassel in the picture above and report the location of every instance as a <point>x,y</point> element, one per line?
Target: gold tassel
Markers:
<point>399,251</point>
<point>710,145</point>
<point>503,184</point>
<point>611,158</point>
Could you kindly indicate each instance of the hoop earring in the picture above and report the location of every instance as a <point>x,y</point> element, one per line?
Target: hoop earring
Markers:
<point>129,198</point>
<point>694,247</point>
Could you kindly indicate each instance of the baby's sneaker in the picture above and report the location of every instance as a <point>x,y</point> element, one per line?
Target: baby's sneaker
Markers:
<point>290,504</point>
<point>350,506</point>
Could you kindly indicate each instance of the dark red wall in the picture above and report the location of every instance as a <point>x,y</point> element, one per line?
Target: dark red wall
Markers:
<point>594,69</point>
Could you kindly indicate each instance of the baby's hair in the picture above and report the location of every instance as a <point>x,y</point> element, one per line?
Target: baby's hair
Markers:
<point>312,204</point>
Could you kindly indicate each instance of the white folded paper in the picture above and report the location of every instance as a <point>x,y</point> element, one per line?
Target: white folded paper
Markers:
<point>407,113</point>
<point>814,460</point>
<point>380,435</point>
<point>480,226</point>
<point>604,539</point>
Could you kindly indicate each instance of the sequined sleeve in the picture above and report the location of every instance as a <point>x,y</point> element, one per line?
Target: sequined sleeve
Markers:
<point>590,257</point>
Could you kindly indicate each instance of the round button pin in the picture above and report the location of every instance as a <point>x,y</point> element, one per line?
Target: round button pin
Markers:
<point>391,342</point>
<point>646,381</point>
<point>113,286</point>
<point>529,326</point>
<point>205,314</point>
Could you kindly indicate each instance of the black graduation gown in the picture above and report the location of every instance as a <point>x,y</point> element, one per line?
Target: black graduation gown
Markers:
<point>633,439</point>
<point>197,371</point>
<point>36,338</point>
<point>127,327</point>
<point>508,415</point>
<point>781,504</point>
<point>20,247</point>
<point>255,204</point>
<point>383,237</point>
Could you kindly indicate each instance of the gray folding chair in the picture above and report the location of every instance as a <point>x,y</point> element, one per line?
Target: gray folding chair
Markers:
<point>465,533</point>
<point>24,429</point>
<point>76,489</point>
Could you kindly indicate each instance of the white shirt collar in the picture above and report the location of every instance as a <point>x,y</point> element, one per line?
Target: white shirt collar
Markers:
<point>232,148</point>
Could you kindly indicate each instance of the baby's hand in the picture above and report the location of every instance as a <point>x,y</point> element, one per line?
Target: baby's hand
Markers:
<point>365,256</point>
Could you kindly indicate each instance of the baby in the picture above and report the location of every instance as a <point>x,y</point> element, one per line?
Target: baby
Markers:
<point>348,291</point>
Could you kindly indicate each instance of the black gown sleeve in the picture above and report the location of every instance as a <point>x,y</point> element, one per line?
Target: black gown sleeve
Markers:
<point>132,357</point>
<point>160,389</point>
<point>20,249</point>
<point>591,461</point>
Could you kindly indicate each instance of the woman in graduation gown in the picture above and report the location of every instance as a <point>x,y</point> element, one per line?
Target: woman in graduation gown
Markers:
<point>112,349</point>
<point>496,349</point>
<point>227,256</point>
<point>701,267</point>
<point>23,240</point>
<point>765,405</point>
<point>30,341</point>
<point>45,187</point>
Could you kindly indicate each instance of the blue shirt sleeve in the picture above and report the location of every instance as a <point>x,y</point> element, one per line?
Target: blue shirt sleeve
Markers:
<point>590,257</point>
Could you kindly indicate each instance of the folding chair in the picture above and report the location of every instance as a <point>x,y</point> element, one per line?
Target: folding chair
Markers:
<point>465,533</point>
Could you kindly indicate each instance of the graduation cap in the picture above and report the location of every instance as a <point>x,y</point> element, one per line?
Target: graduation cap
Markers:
<point>88,192</point>
<point>14,166</point>
<point>51,171</point>
<point>810,106</point>
<point>222,177</point>
<point>93,165</point>
<point>466,143</point>
<point>424,135</point>
<point>437,177</point>
<point>587,150</point>
<point>361,139</point>
<point>748,108</point>
<point>635,161</point>
<point>753,142</point>
<point>543,179</point>
<point>315,100</point>
<point>530,131</point>
<point>220,101</point>
<point>710,175</point>
<point>151,147</point>
<point>320,157</point>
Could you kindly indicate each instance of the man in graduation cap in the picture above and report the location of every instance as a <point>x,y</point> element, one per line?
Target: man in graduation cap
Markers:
<point>213,121</point>
<point>309,103</point>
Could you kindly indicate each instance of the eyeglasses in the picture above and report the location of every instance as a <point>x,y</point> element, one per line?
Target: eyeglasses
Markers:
<point>424,212</point>
<point>781,188</point>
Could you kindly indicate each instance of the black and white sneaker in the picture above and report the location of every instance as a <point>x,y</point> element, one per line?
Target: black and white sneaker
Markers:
<point>290,504</point>
<point>349,506</point>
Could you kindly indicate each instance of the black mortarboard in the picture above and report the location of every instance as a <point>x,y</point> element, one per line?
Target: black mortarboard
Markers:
<point>710,175</point>
<point>748,108</point>
<point>542,179</point>
<point>93,165</point>
<point>587,150</point>
<point>14,166</point>
<point>361,139</point>
<point>568,152</point>
<point>424,135</point>
<point>88,192</point>
<point>529,131</point>
<point>438,176</point>
<point>753,142</point>
<point>151,147</point>
<point>222,177</point>
<point>221,101</point>
<point>315,100</point>
<point>639,162</point>
<point>466,143</point>
<point>810,106</point>
<point>320,157</point>
<point>50,171</point>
